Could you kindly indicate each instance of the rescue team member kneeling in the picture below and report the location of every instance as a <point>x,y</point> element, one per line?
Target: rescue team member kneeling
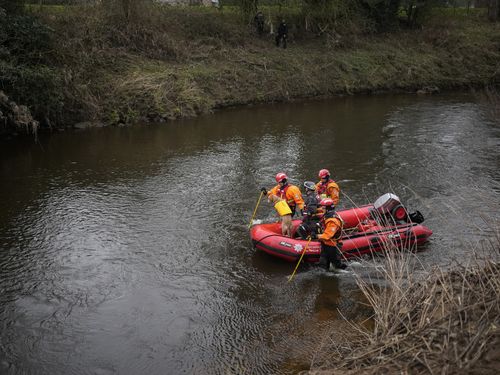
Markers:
<point>290,193</point>
<point>332,230</point>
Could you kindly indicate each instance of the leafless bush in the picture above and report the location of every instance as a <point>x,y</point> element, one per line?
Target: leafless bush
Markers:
<point>491,97</point>
<point>424,322</point>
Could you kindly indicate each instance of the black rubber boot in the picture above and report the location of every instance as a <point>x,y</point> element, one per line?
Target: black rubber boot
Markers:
<point>337,259</point>
<point>324,262</point>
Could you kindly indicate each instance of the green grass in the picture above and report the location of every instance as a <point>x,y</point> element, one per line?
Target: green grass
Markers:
<point>53,9</point>
<point>169,62</point>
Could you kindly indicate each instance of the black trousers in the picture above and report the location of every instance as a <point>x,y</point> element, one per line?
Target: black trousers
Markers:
<point>330,254</point>
<point>279,38</point>
<point>308,228</point>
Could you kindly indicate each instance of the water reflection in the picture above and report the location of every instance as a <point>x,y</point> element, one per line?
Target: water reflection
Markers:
<point>126,250</point>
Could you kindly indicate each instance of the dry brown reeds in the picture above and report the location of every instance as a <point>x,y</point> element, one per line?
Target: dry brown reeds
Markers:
<point>491,97</point>
<point>425,321</point>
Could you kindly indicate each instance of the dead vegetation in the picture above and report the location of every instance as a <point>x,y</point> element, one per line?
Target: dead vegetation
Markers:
<point>164,62</point>
<point>15,118</point>
<point>491,98</point>
<point>432,322</point>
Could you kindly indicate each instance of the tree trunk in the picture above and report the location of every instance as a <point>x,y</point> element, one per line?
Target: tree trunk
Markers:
<point>493,10</point>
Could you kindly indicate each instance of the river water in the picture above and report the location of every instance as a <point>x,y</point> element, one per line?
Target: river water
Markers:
<point>126,250</point>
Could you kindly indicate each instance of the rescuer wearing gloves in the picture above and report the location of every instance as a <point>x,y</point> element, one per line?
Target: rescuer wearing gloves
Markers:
<point>290,193</point>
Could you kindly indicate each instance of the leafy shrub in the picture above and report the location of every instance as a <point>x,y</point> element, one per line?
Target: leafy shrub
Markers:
<point>25,71</point>
<point>24,39</point>
<point>383,12</point>
<point>12,6</point>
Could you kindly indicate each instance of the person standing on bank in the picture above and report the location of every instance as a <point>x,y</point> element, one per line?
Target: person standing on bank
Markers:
<point>330,238</point>
<point>327,188</point>
<point>282,34</point>
<point>259,22</point>
<point>290,193</point>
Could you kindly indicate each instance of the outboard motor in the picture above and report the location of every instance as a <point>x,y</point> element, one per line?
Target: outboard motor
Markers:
<point>389,210</point>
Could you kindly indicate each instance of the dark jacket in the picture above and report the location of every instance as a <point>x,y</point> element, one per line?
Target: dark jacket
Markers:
<point>282,29</point>
<point>311,206</point>
<point>259,19</point>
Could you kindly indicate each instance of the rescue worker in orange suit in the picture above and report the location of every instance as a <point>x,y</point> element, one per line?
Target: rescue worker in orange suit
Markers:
<point>330,238</point>
<point>290,193</point>
<point>326,187</point>
<point>310,221</point>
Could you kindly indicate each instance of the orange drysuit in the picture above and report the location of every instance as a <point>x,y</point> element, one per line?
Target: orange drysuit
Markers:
<point>328,189</point>
<point>332,232</point>
<point>290,193</point>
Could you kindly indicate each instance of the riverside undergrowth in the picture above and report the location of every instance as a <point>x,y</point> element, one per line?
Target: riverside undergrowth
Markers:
<point>424,320</point>
<point>170,62</point>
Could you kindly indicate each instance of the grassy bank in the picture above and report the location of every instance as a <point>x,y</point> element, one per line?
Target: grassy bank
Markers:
<point>171,62</point>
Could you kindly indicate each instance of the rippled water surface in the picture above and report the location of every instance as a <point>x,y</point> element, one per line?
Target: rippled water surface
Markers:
<point>126,250</point>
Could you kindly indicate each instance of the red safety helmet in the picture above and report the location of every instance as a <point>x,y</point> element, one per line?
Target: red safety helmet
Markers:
<point>327,202</point>
<point>324,173</point>
<point>280,177</point>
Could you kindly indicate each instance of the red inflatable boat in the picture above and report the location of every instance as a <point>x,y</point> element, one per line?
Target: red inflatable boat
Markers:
<point>367,230</point>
